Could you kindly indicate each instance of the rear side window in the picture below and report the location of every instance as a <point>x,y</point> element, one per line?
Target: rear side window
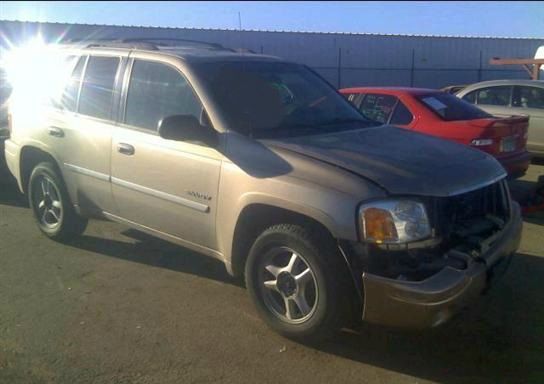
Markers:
<point>156,91</point>
<point>529,97</point>
<point>470,97</point>
<point>401,116</point>
<point>378,107</point>
<point>495,96</point>
<point>69,96</point>
<point>96,96</point>
<point>451,108</point>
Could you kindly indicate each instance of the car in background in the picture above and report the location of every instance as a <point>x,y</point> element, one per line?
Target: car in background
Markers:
<point>440,114</point>
<point>512,97</point>
<point>453,89</point>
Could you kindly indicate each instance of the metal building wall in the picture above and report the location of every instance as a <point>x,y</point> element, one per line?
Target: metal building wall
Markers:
<point>343,59</point>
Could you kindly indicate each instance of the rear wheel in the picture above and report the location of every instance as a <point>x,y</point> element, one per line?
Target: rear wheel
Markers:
<point>51,204</point>
<point>297,282</point>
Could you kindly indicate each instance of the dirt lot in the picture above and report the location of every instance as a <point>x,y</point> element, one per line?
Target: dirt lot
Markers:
<point>118,307</point>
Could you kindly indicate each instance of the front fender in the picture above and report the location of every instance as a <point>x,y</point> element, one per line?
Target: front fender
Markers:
<point>333,209</point>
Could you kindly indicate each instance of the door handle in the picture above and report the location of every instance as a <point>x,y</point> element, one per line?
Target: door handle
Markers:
<point>125,149</point>
<point>55,131</point>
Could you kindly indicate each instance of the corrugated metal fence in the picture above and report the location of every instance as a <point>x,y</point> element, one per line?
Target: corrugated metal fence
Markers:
<point>343,59</point>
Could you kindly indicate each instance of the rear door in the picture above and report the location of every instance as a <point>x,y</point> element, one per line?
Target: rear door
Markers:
<point>168,186</point>
<point>82,131</point>
<point>529,101</point>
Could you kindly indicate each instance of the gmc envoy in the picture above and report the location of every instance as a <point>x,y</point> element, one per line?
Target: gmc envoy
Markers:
<point>262,164</point>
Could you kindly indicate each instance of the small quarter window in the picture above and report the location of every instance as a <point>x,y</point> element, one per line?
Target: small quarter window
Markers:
<point>401,115</point>
<point>96,97</point>
<point>470,97</point>
<point>69,96</point>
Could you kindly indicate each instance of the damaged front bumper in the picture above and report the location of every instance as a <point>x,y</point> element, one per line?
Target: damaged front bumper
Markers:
<point>432,301</point>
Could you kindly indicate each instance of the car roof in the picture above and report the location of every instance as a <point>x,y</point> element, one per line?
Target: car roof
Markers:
<point>391,90</point>
<point>538,83</point>
<point>189,53</point>
<point>200,55</point>
<point>494,83</point>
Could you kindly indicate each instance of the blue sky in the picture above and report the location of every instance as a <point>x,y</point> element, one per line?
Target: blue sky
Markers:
<point>497,19</point>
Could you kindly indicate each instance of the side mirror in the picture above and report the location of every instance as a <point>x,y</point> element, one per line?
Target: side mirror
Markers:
<point>186,128</point>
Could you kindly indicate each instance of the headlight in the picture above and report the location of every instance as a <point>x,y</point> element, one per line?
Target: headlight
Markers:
<point>394,222</point>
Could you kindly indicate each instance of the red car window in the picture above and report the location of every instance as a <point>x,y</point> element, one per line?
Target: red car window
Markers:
<point>378,107</point>
<point>451,108</point>
<point>401,116</point>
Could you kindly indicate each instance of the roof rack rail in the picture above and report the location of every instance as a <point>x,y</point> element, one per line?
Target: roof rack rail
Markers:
<point>112,43</point>
<point>148,43</point>
<point>173,40</point>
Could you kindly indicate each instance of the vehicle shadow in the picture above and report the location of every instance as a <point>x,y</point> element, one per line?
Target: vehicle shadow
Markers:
<point>499,339</point>
<point>9,192</point>
<point>523,191</point>
<point>534,218</point>
<point>155,252</point>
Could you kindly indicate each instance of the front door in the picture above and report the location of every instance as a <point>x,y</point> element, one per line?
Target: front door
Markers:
<point>168,186</point>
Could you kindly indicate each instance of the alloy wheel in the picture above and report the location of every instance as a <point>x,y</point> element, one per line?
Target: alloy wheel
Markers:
<point>47,202</point>
<point>288,285</point>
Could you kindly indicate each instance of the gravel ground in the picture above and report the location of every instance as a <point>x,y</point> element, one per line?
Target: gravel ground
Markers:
<point>119,307</point>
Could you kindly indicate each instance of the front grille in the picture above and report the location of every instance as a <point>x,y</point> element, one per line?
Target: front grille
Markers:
<point>472,213</point>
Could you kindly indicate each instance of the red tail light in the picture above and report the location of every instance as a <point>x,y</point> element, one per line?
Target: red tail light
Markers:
<point>481,142</point>
<point>502,135</point>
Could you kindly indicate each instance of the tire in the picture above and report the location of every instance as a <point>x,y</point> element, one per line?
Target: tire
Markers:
<point>50,203</point>
<point>287,263</point>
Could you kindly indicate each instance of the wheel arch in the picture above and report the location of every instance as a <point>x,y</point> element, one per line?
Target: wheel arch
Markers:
<point>254,218</point>
<point>30,157</point>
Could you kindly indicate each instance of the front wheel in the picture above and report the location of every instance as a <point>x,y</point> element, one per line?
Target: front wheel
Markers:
<point>297,282</point>
<point>51,204</point>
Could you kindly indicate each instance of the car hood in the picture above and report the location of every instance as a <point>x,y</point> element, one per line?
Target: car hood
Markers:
<point>401,161</point>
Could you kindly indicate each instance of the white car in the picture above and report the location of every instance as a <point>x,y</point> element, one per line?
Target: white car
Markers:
<point>512,97</point>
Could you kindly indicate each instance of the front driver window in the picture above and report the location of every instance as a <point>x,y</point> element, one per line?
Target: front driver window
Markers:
<point>495,96</point>
<point>156,91</point>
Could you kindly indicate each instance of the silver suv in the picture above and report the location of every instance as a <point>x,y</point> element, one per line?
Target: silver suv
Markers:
<point>261,164</point>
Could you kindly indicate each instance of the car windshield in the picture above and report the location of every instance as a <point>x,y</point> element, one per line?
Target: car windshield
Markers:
<point>451,108</point>
<point>274,99</point>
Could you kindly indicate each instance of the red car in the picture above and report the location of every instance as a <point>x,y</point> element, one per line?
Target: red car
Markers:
<point>441,114</point>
